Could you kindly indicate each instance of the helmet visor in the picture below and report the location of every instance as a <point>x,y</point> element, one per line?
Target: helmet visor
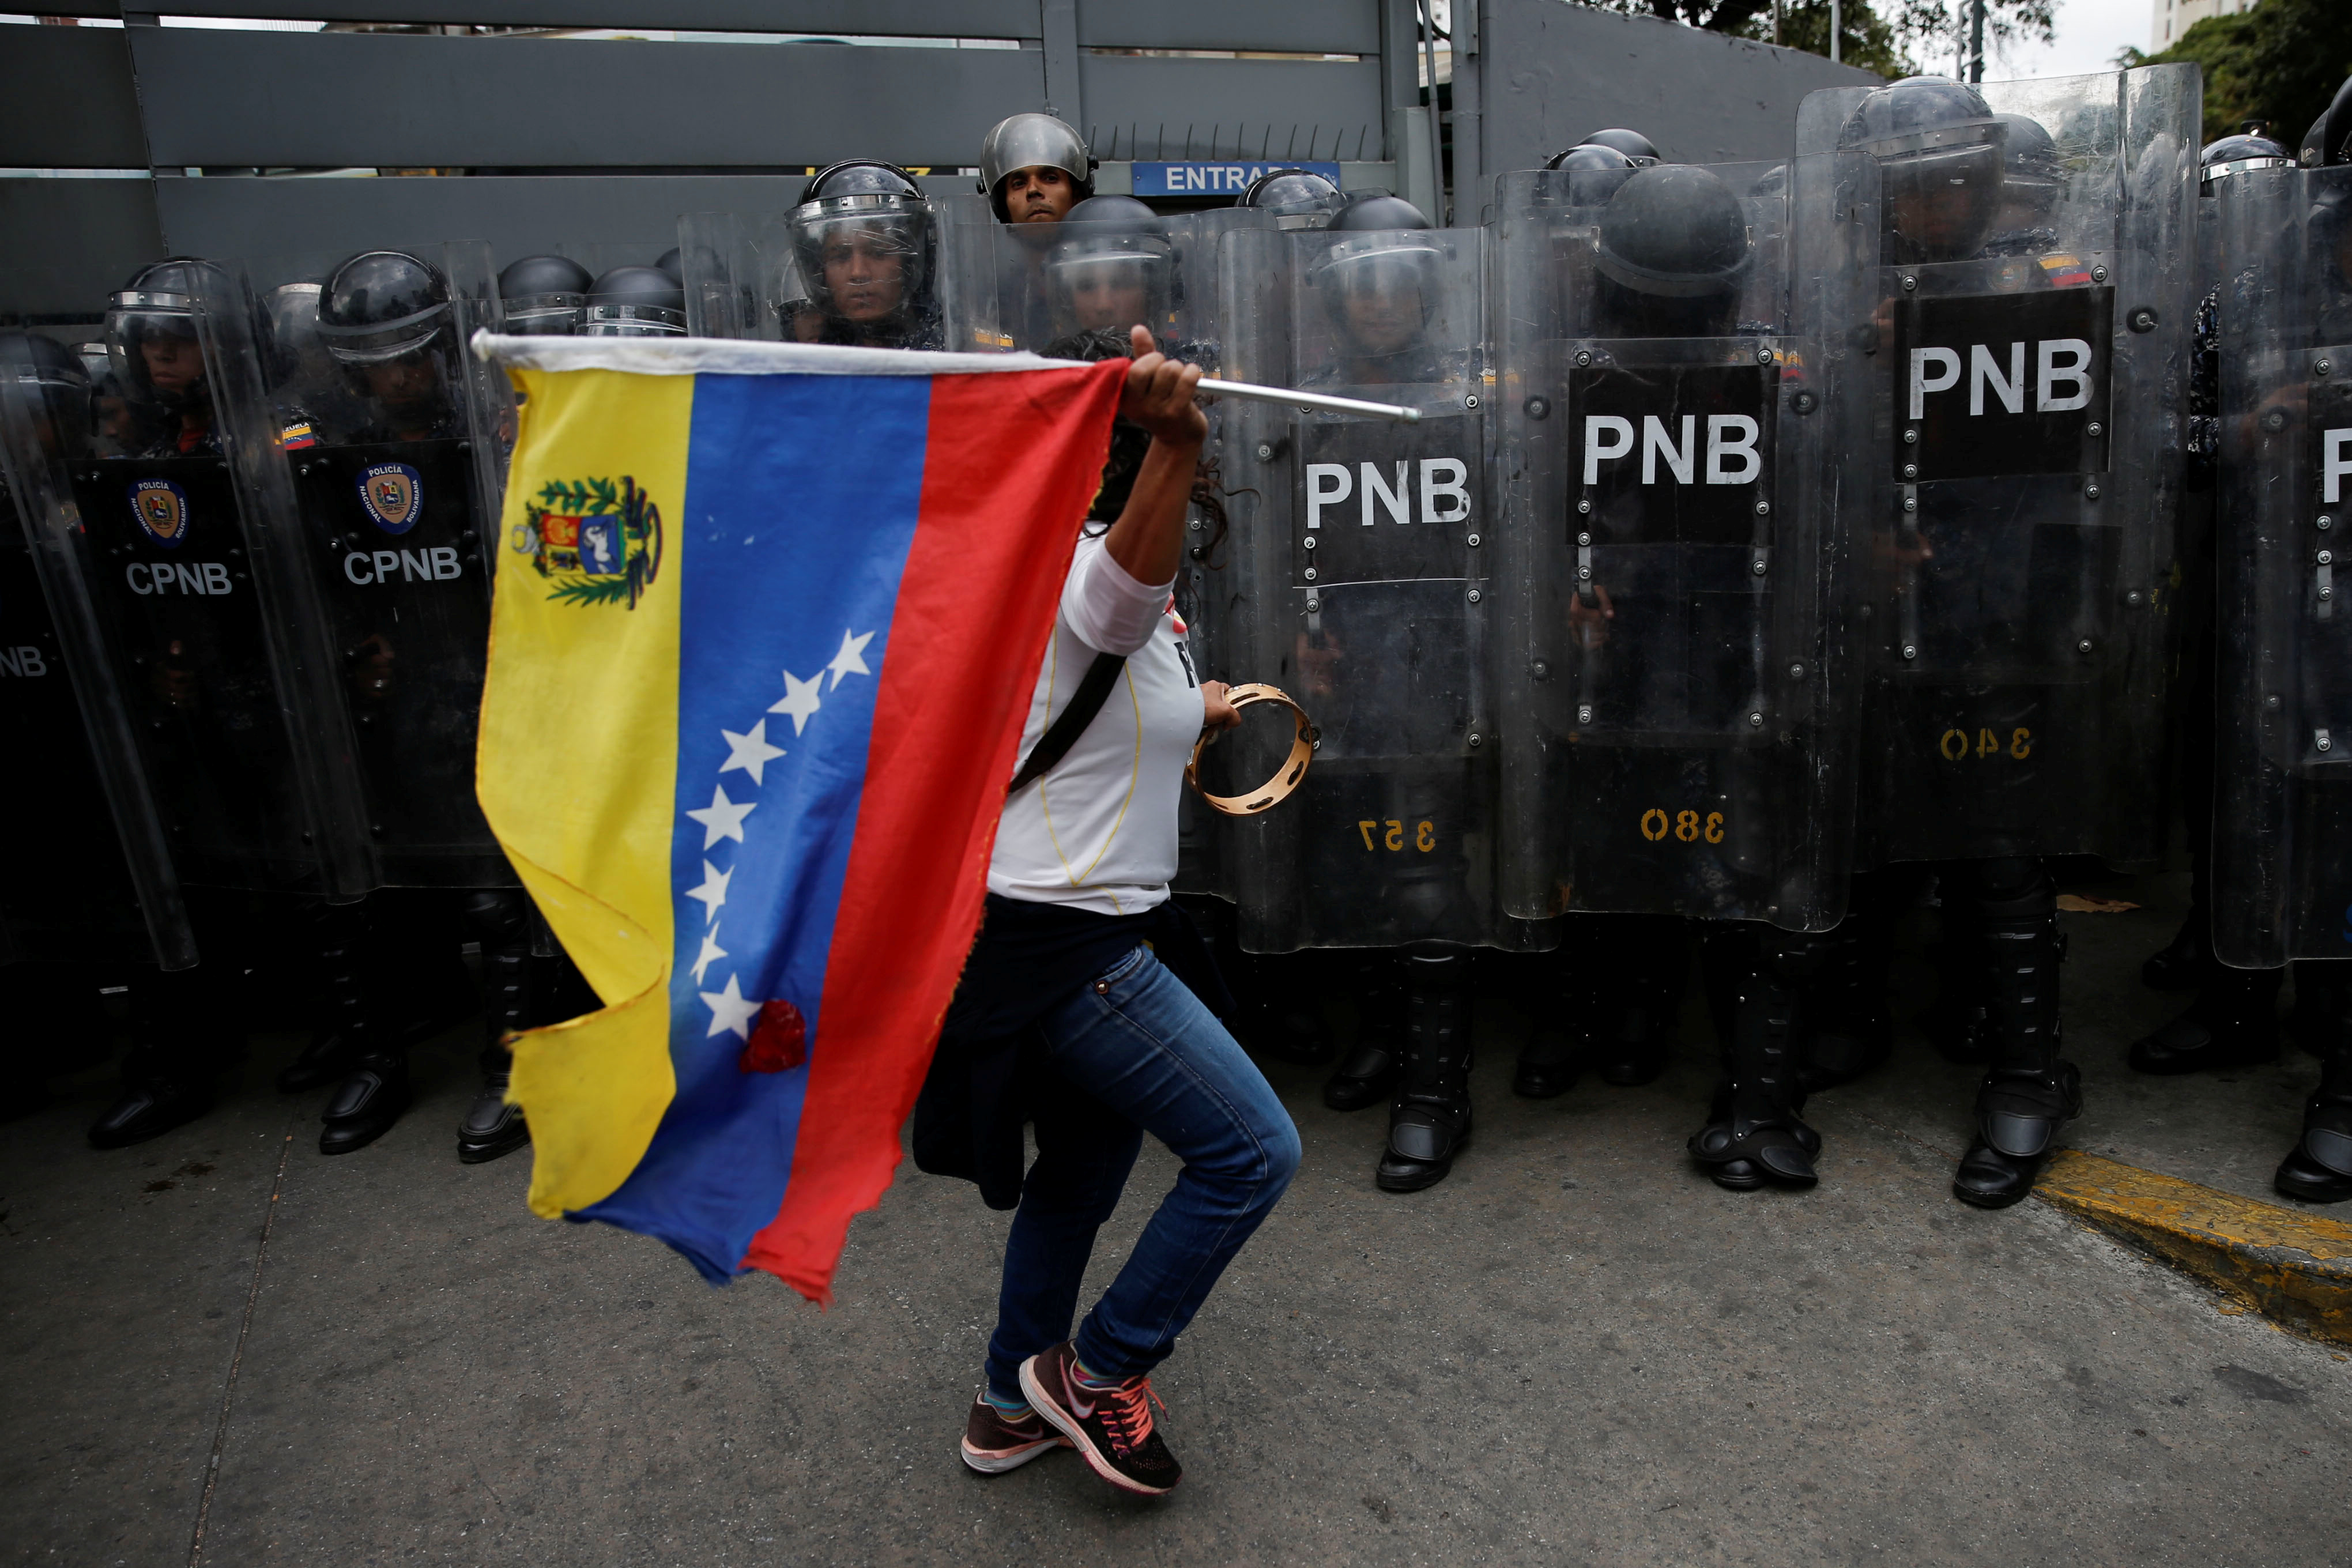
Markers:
<point>632,322</point>
<point>382,342</point>
<point>545,315</point>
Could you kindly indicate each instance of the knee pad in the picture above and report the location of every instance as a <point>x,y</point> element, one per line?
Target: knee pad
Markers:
<point>2013,888</point>
<point>497,917</point>
<point>1435,966</point>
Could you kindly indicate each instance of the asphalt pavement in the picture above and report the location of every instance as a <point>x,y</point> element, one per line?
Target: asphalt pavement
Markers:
<point>222,1348</point>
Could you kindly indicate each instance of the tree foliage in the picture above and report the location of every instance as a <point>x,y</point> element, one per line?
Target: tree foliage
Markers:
<point>2279,62</point>
<point>1893,37</point>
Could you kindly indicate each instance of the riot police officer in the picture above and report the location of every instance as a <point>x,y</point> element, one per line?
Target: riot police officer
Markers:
<point>1111,268</point>
<point>1299,198</point>
<point>150,337</point>
<point>2279,835</point>
<point>634,302</point>
<point>864,244</point>
<point>1034,168</point>
<point>547,296</point>
<point>2233,1019</point>
<point>70,908</point>
<point>2016,529</point>
<point>1381,855</point>
<point>1638,149</point>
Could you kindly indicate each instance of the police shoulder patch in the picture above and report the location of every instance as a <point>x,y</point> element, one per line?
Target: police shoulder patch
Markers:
<point>162,508</point>
<point>394,495</point>
<point>597,541</point>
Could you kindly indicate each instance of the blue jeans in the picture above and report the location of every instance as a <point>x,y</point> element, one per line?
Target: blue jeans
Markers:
<point>1141,1045</point>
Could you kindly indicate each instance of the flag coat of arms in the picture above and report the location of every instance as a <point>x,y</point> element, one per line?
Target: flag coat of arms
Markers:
<point>766,626</point>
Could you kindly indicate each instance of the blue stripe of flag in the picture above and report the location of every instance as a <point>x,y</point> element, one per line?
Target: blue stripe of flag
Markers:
<point>801,498</point>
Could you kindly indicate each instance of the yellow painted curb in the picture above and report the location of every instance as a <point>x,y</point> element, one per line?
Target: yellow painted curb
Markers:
<point>2295,1269</point>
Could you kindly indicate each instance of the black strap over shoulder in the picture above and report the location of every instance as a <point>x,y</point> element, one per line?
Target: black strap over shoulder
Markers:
<point>1062,733</point>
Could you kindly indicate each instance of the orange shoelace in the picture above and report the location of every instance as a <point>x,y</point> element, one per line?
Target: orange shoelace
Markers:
<point>1125,1410</point>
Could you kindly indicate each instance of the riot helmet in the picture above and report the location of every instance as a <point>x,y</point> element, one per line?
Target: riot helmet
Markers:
<point>385,318</point>
<point>1110,267</point>
<point>672,261</point>
<point>2329,139</point>
<point>634,302</point>
<point>1379,280</point>
<point>47,381</point>
<point>1673,252</point>
<point>151,333</point>
<point>2033,179</point>
<point>1638,149</point>
<point>545,296</point>
<point>383,305</point>
<point>1939,147</point>
<point>1033,141</point>
<point>863,237</point>
<point>1593,172</point>
<point>2238,155</point>
<point>1299,198</point>
<point>291,339</point>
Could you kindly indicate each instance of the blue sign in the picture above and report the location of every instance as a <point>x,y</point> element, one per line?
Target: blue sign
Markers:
<point>1204,179</point>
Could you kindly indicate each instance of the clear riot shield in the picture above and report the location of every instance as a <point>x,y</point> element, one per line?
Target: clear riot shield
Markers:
<point>389,488</point>
<point>2029,337</point>
<point>97,875</point>
<point>874,280</point>
<point>1037,287</point>
<point>1361,585</point>
<point>199,694</point>
<point>1673,415</point>
<point>2283,804</point>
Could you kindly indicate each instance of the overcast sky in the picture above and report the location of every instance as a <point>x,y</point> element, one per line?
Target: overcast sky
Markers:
<point>2089,34</point>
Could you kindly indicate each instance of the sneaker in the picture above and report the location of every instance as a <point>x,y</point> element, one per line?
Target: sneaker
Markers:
<point>994,1443</point>
<point>1110,1427</point>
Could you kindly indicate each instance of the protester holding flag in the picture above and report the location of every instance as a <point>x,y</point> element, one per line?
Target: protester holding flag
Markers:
<point>1086,1006</point>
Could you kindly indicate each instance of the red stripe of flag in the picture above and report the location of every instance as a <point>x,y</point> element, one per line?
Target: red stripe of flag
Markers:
<point>1011,462</point>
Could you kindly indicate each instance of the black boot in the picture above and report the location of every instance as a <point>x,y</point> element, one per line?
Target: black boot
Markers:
<point>1958,1025</point>
<point>1429,1122</point>
<point>2185,962</point>
<point>1550,1060</point>
<point>183,1036</point>
<point>1754,1132</point>
<point>1285,1021</point>
<point>2319,1169</point>
<point>2234,1023</point>
<point>1369,1071</point>
<point>1558,1042</point>
<point>360,978</point>
<point>1652,961</point>
<point>159,1093</point>
<point>374,1096</point>
<point>338,932</point>
<point>2030,1093</point>
<point>1848,1026</point>
<point>500,921</point>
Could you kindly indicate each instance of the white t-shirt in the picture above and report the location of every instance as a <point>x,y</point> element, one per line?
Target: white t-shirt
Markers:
<point>1098,830</point>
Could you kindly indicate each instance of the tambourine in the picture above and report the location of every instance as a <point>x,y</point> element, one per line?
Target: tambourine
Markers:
<point>1285,779</point>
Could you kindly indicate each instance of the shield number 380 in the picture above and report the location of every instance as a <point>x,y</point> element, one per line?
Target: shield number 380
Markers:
<point>1689,827</point>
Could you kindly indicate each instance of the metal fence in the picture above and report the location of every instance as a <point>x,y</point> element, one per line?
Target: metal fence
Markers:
<point>515,128</point>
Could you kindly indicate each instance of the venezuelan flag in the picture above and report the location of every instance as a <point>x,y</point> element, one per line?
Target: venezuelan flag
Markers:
<point>748,760</point>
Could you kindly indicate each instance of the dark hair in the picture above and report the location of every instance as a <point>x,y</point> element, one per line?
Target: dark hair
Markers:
<point>1128,442</point>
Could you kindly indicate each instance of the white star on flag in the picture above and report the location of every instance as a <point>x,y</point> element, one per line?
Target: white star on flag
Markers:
<point>713,891</point>
<point>723,818</point>
<point>730,1009</point>
<point>751,752</point>
<point>710,953</point>
<point>801,699</point>
<point>851,659</point>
